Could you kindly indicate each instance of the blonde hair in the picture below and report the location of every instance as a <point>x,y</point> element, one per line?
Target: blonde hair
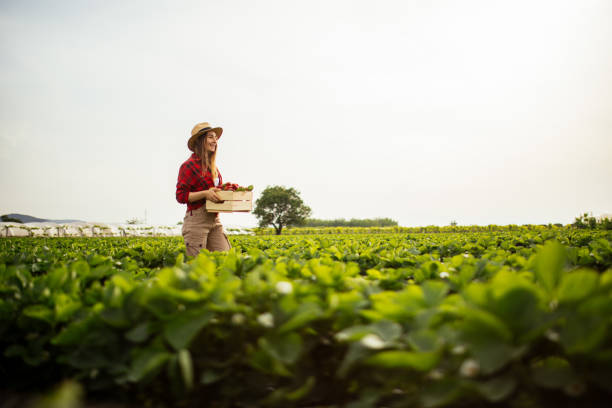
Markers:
<point>209,159</point>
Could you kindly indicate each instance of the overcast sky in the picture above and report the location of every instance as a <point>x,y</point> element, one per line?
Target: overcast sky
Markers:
<point>478,111</point>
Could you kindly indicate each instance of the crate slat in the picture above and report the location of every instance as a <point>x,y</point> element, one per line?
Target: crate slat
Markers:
<point>234,201</point>
<point>235,195</point>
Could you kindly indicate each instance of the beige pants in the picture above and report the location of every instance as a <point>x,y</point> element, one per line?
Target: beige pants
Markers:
<point>202,229</point>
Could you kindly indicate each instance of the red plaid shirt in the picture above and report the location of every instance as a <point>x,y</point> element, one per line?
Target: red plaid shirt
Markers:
<point>190,179</point>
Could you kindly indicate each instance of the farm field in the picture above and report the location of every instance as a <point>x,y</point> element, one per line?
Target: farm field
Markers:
<point>504,318</point>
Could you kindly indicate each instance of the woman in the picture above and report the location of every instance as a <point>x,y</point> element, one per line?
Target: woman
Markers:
<point>197,179</point>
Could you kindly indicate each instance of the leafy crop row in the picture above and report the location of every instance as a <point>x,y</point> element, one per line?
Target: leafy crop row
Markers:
<point>430,229</point>
<point>349,320</point>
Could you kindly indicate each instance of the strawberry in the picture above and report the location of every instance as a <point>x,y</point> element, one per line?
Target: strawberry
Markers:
<point>235,187</point>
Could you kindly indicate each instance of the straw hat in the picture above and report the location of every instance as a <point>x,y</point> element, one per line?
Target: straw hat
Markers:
<point>201,129</point>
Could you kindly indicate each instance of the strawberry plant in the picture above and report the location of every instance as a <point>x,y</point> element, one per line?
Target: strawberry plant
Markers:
<point>519,318</point>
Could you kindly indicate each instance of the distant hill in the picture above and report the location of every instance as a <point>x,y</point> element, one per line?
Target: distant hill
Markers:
<point>28,218</point>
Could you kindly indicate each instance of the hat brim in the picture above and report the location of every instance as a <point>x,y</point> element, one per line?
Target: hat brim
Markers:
<point>192,139</point>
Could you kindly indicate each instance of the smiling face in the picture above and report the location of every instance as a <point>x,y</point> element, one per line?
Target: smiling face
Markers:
<point>210,141</point>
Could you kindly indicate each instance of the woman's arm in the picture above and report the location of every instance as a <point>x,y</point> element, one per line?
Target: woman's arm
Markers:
<point>209,194</point>
<point>183,195</point>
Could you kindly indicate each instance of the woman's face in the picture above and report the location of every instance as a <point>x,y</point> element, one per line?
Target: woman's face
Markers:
<point>210,141</point>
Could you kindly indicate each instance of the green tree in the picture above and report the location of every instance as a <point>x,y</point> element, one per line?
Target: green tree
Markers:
<point>280,207</point>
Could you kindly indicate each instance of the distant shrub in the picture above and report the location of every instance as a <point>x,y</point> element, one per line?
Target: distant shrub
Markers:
<point>586,221</point>
<point>353,222</point>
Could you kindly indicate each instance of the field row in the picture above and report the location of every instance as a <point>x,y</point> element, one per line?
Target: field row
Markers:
<point>337,320</point>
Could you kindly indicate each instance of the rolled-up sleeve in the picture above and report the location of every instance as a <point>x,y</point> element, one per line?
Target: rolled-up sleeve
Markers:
<point>182,188</point>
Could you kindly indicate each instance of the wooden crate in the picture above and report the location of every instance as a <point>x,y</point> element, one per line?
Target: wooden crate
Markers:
<point>233,201</point>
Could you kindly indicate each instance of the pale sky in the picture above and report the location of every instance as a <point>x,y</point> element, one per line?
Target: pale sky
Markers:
<point>422,111</point>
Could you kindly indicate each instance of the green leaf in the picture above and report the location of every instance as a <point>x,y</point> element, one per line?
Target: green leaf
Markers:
<point>140,333</point>
<point>355,353</point>
<point>549,264</point>
<point>263,361</point>
<point>147,363</point>
<point>96,259</point>
<point>40,312</point>
<point>519,308</point>
<point>457,261</point>
<point>74,332</point>
<point>58,276</point>
<point>115,317</point>
<point>577,285</point>
<point>492,356</point>
<point>425,340</point>
<point>480,324</point>
<point>396,306</point>
<point>210,376</point>
<point>181,330</point>
<point>180,259</point>
<point>434,291</point>
<point>184,359</point>
<point>606,280</point>
<point>353,333</point>
<point>302,391</point>
<point>285,348</point>
<point>587,326</point>
<point>155,300</point>
<point>488,339</point>
<point>387,330</point>
<point>476,293</point>
<point>305,313</point>
<point>65,307</point>
<point>404,359</point>
<point>284,394</point>
<point>68,394</point>
<point>347,301</point>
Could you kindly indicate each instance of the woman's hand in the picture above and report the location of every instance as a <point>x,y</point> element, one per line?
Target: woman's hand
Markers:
<point>211,195</point>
